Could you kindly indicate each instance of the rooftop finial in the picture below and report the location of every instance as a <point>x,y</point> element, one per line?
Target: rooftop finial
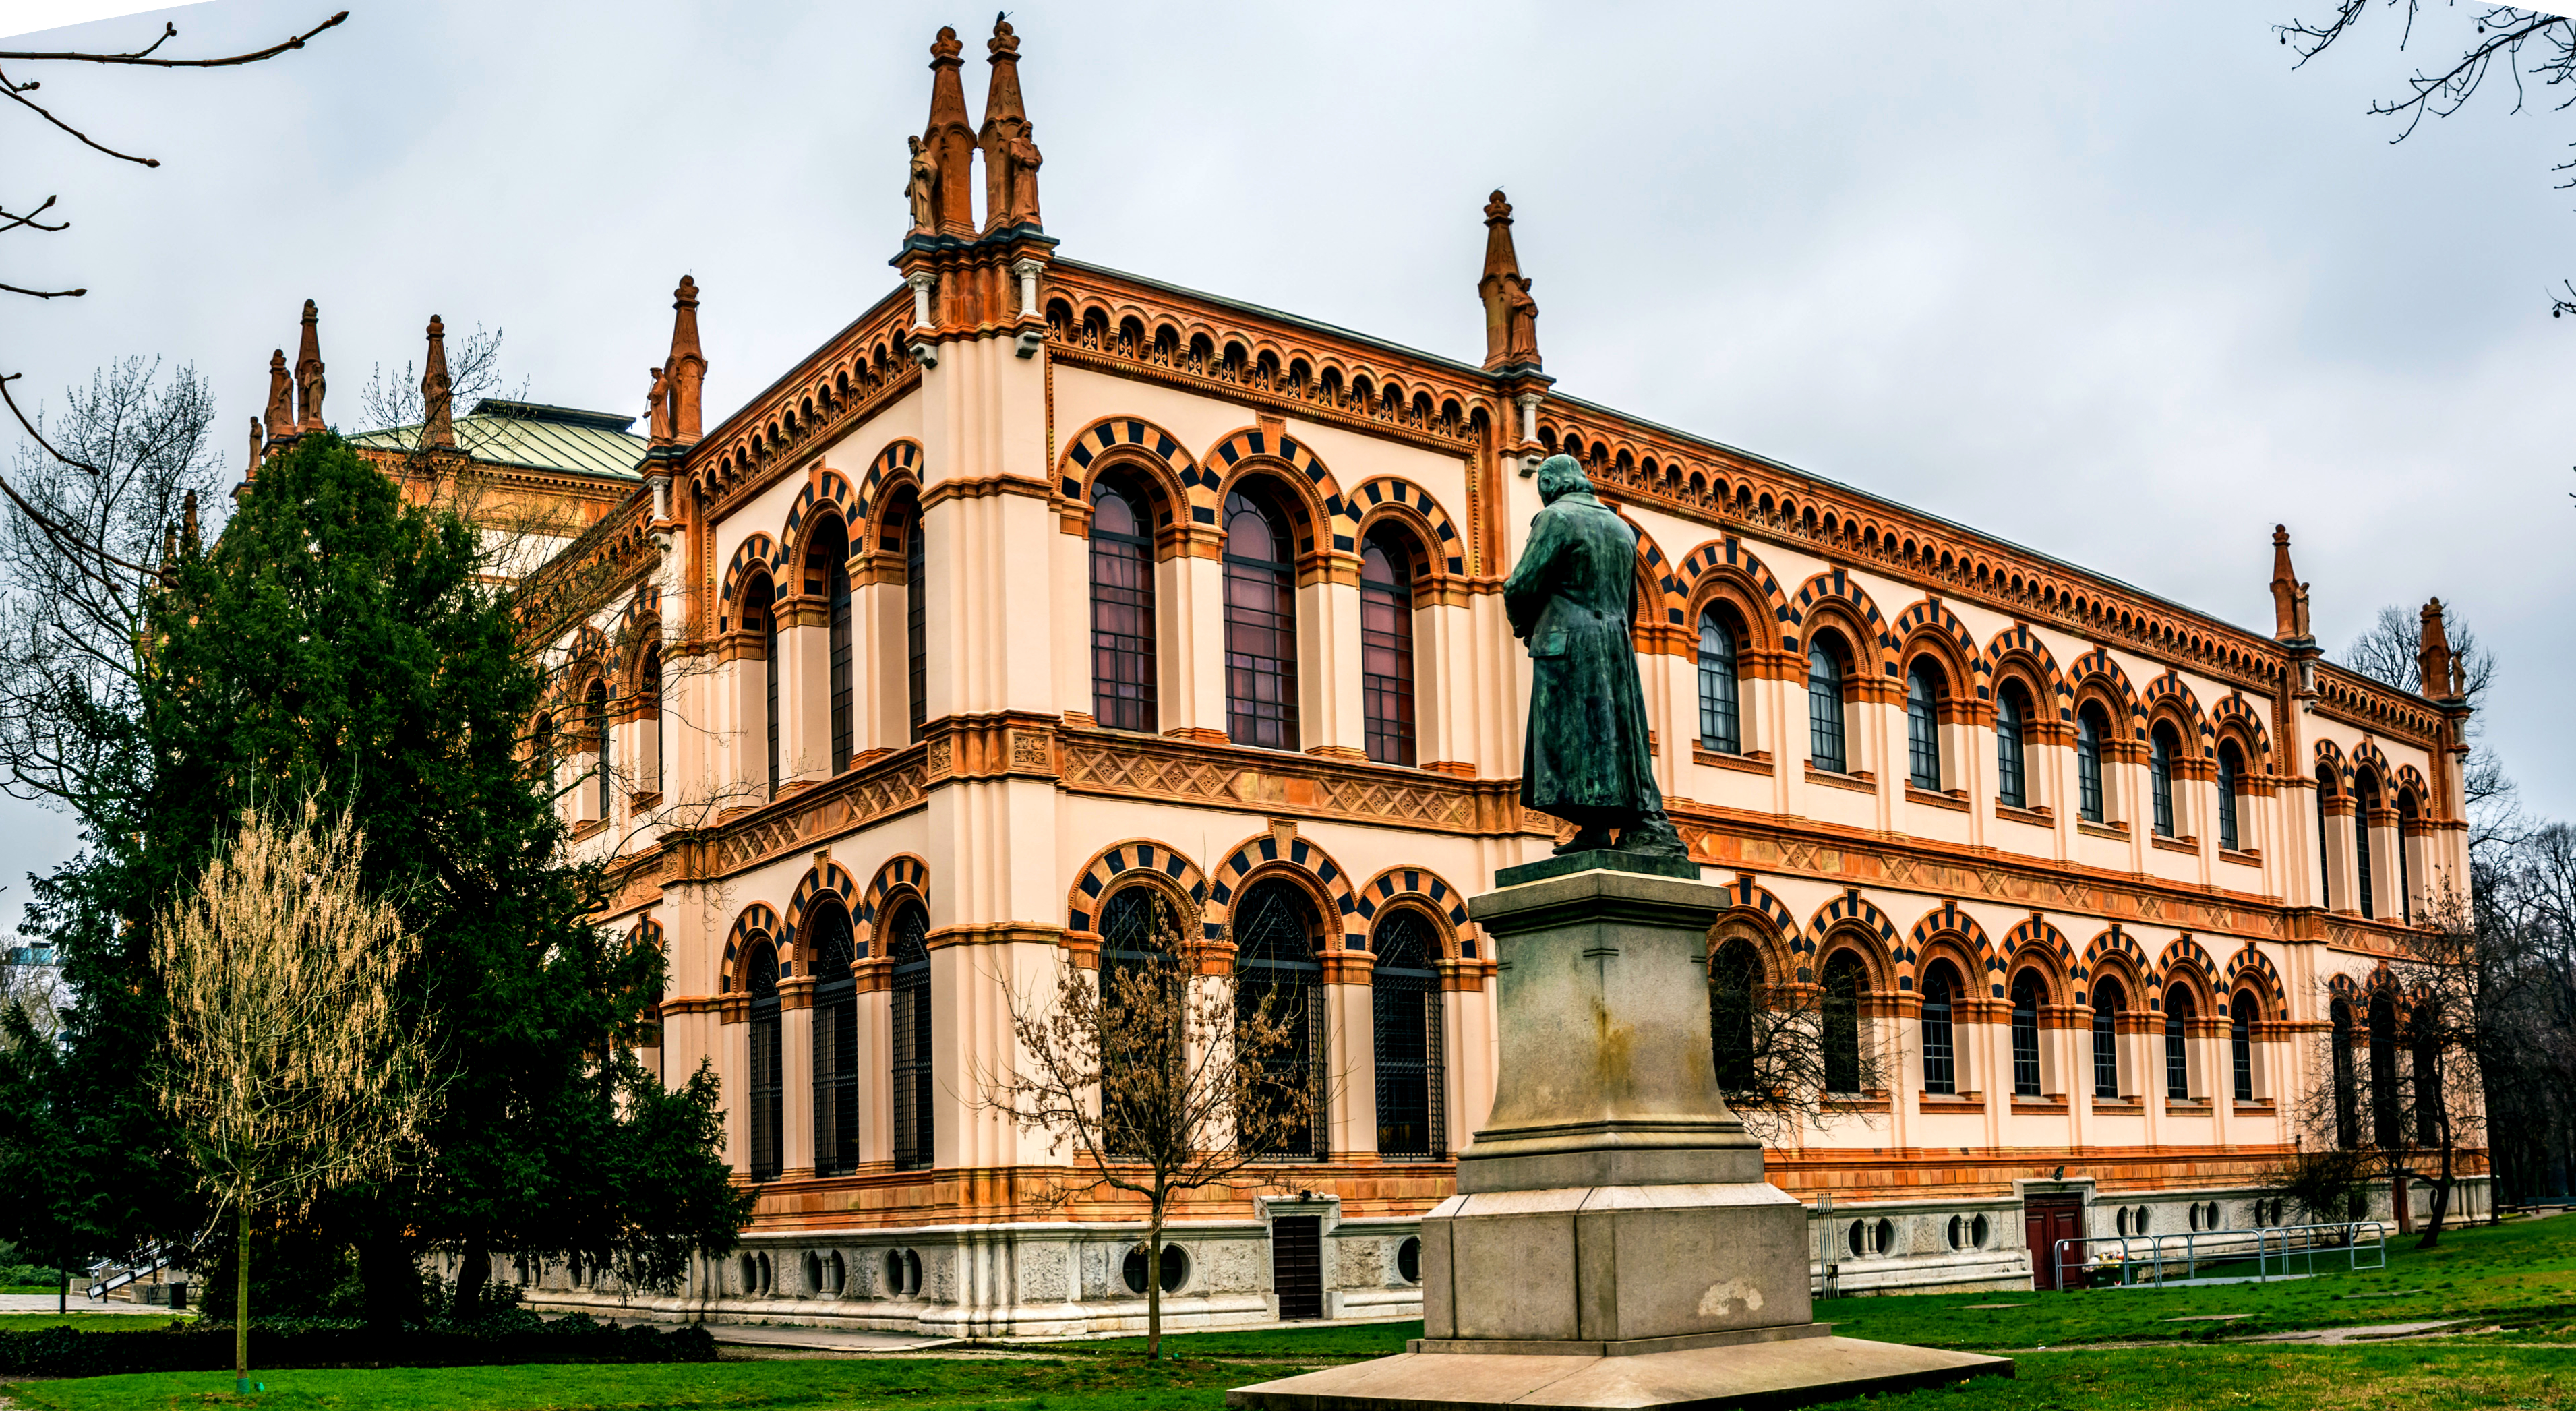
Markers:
<point>950,140</point>
<point>1010,152</point>
<point>1511,315</point>
<point>2289,595</point>
<point>281,397</point>
<point>437,391</point>
<point>309,383</point>
<point>2433,656</point>
<point>687,367</point>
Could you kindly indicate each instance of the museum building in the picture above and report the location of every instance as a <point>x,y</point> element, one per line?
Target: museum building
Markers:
<point>1043,591</point>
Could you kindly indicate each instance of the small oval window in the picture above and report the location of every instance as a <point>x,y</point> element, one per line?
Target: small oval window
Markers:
<point>1408,1261</point>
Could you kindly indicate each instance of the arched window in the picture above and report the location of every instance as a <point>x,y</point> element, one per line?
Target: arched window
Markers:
<point>2347,1105</point>
<point>916,612</point>
<point>1923,725</point>
<point>1404,1008</point>
<point>2091,728</point>
<point>1386,644</point>
<point>1138,980</point>
<point>2429,1115</point>
<point>2365,809</point>
<point>2026,992</point>
<point>1845,979</point>
<point>2405,868</point>
<point>2240,1042</point>
<point>827,573</point>
<point>836,1039</point>
<point>2178,1011</point>
<point>1721,720</point>
<point>1734,988</point>
<point>1940,1050</point>
<point>759,603</point>
<point>2161,748</point>
<point>909,1060</point>
<point>1275,927</point>
<point>2012,716</point>
<point>766,1093</point>
<point>1260,623</point>
<point>596,717</point>
<point>1825,704</point>
<point>2385,1110</point>
<point>2326,792</point>
<point>2108,1000</point>
<point>1122,607</point>
<point>541,757</point>
<point>2231,777</point>
<point>650,680</point>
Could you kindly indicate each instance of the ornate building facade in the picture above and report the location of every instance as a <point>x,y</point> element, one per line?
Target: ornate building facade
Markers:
<point>1042,589</point>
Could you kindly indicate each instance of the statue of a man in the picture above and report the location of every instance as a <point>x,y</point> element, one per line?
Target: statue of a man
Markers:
<point>921,186</point>
<point>1573,599</point>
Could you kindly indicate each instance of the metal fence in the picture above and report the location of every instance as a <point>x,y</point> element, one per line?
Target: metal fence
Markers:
<point>2157,1259</point>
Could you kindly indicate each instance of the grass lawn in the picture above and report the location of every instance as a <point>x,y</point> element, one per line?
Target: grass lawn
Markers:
<point>94,1322</point>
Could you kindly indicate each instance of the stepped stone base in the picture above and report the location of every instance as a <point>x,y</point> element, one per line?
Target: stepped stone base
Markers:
<point>1755,1376</point>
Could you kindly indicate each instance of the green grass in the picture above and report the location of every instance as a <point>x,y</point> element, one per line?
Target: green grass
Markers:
<point>48,1290</point>
<point>1323,1342</point>
<point>95,1322</point>
<point>2385,1378</point>
<point>2521,1274</point>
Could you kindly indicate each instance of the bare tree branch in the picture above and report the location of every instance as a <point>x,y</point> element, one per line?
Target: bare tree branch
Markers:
<point>169,32</point>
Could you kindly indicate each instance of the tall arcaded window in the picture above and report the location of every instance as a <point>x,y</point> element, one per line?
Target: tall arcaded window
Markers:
<point>2326,792</point>
<point>600,737</point>
<point>1129,959</point>
<point>1122,608</point>
<point>765,1094</point>
<point>2365,805</point>
<point>1940,1049</point>
<point>1386,645</point>
<point>827,572</point>
<point>916,615</point>
<point>2387,1120</point>
<point>2091,728</point>
<point>909,1060</point>
<point>1825,704</point>
<point>2231,777</point>
<point>2025,1034</point>
<point>1734,988</point>
<point>2240,1042</point>
<point>649,682</point>
<point>2108,998</point>
<point>1923,726</point>
<point>2161,749</point>
<point>1275,925</point>
<point>759,613</point>
<point>836,1039</point>
<point>1404,1010</point>
<point>1260,623</point>
<point>2179,1009</point>
<point>1845,981</point>
<point>1720,719</point>
<point>2405,868</point>
<point>2012,714</point>
<point>2346,1097</point>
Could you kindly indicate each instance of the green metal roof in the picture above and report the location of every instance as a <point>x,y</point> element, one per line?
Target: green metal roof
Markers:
<point>534,435</point>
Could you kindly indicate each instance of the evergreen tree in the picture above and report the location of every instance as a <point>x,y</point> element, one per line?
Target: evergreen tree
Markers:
<point>338,640</point>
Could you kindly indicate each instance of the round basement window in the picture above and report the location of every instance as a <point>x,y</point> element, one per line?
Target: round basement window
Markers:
<point>1408,1261</point>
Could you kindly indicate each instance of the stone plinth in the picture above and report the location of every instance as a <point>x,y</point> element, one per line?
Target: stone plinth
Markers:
<point>1612,1242</point>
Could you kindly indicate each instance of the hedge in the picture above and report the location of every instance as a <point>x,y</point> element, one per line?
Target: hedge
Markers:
<point>207,1347</point>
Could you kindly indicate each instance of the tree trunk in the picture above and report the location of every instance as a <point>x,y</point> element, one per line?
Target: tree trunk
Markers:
<point>1154,1283</point>
<point>241,1305</point>
<point>473,1270</point>
<point>389,1273</point>
<point>2441,1193</point>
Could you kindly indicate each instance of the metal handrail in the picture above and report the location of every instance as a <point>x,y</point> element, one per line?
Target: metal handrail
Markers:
<point>2219,1246</point>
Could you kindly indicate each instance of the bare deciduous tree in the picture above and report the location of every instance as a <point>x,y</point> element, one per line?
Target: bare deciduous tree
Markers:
<point>289,1068</point>
<point>2387,651</point>
<point>1155,1079</point>
<point>1789,1057</point>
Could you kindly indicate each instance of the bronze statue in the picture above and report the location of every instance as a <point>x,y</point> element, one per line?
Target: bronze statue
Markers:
<point>1573,598</point>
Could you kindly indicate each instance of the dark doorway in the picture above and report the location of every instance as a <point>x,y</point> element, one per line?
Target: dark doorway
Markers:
<point>1297,1265</point>
<point>2046,1219</point>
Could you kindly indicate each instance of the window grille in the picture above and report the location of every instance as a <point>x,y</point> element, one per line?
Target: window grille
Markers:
<point>2088,763</point>
<point>1260,627</point>
<point>2365,805</point>
<point>1923,730</point>
<point>2107,999</point>
<point>2405,873</point>
<point>834,548</point>
<point>601,735</point>
<point>2385,1112</point>
<point>1131,1098</point>
<point>2178,1009</point>
<point>1720,721</point>
<point>1274,928</point>
<point>1404,1005</point>
<point>2160,757</point>
<point>2240,1045</point>
<point>2025,1036</point>
<point>1841,1023</point>
<point>1825,709</point>
<point>916,616</point>
<point>761,599</point>
<point>2008,755</point>
<point>1122,613</point>
<point>911,1036</point>
<point>2325,837</point>
<point>2231,767</point>
<point>1734,987</point>
<point>766,1095</point>
<point>2347,1109</point>
<point>1940,1066</point>
<point>836,1042</point>
<point>1386,649</point>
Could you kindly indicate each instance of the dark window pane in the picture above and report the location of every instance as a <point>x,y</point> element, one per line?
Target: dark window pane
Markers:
<point>1843,986</point>
<point>2160,761</point>
<point>836,1038</point>
<point>1122,614</point>
<point>2089,730</point>
<point>916,628</point>
<point>2107,1000</point>
<point>1825,709</point>
<point>2025,1036</point>
<point>1386,649</point>
<point>1720,722</point>
<point>2178,1012</point>
<point>1260,627</point>
<point>1404,1007</point>
<point>910,1060</point>
<point>1923,729</point>
<point>2008,758</point>
<point>1275,927</point>
<point>1940,1062</point>
<point>2231,768</point>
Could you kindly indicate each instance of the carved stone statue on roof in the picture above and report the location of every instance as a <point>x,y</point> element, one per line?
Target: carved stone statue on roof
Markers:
<point>921,187</point>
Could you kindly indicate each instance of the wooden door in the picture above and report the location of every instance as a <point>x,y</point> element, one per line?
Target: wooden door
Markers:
<point>2046,1220</point>
<point>1297,1265</point>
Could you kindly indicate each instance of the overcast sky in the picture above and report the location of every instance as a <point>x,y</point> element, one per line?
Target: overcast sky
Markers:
<point>2112,282</point>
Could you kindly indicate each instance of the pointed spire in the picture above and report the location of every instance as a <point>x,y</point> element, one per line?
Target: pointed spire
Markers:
<point>1007,140</point>
<point>2289,595</point>
<point>950,140</point>
<point>281,398</point>
<point>437,391</point>
<point>1511,315</point>
<point>686,369</point>
<point>308,374</point>
<point>2433,656</point>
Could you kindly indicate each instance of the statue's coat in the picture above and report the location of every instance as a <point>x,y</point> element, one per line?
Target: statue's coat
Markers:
<point>1573,598</point>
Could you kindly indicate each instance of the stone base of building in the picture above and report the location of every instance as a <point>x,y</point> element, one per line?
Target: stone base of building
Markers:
<point>1756,1376</point>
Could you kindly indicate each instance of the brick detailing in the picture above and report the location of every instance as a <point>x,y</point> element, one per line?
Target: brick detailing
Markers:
<point>2035,939</point>
<point>1266,852</point>
<point>757,553</point>
<point>2117,945</point>
<point>2332,757</point>
<point>756,923</point>
<point>902,875</point>
<point>1421,885</point>
<point>2184,959</point>
<point>1852,914</point>
<point>2170,688</point>
<point>1451,547</point>
<point>1254,443</point>
<point>1082,452</point>
<point>2235,709</point>
<point>1931,614</point>
<point>821,880</point>
<point>1091,885</point>
<point>1840,586</point>
<point>1947,920</point>
<point>2099,665</point>
<point>1731,553</point>
<point>2250,967</point>
<point>2411,781</point>
<point>1753,896</point>
<point>822,487</point>
<point>2366,755</point>
<point>2019,641</point>
<point>898,463</point>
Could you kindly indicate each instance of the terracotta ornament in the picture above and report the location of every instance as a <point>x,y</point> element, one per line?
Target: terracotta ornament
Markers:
<point>309,382</point>
<point>437,391</point>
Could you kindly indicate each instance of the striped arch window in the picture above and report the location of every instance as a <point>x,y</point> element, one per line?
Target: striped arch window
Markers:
<point>1940,1050</point>
<point>602,734</point>
<point>829,940</point>
<point>1923,726</point>
<point>2178,1012</point>
<point>1825,710</point>
<point>1845,981</point>
<point>2240,1043</point>
<point>916,615</point>
<point>1720,718</point>
<point>2161,748</point>
<point>2231,776</point>
<point>2012,714</point>
<point>1404,1005</point>
<point>2025,1034</point>
<point>2405,873</point>
<point>766,1092</point>
<point>830,553</point>
<point>1275,926</point>
<point>1386,644</point>
<point>2108,998</point>
<point>2091,726</point>
<point>1122,608</point>
<point>1260,623</point>
<point>759,603</point>
<point>2365,806</point>
<point>914,1121</point>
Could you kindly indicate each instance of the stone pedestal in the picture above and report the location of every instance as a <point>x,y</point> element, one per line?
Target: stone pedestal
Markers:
<point>1612,1242</point>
